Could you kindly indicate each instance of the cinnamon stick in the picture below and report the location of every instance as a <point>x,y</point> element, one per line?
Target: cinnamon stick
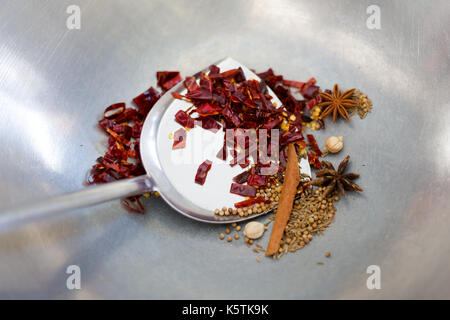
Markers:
<point>290,183</point>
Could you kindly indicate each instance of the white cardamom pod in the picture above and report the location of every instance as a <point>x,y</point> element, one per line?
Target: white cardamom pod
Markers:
<point>334,144</point>
<point>254,230</point>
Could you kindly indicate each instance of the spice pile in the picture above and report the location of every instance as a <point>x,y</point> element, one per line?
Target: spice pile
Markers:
<point>227,100</point>
<point>313,210</point>
<point>123,125</point>
<point>311,215</point>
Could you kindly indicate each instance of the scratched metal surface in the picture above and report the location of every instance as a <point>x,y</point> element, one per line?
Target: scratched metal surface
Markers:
<point>55,83</point>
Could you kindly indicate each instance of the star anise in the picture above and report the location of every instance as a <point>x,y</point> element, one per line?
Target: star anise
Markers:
<point>337,103</point>
<point>336,180</point>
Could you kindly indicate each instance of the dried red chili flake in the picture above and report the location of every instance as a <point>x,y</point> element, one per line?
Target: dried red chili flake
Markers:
<point>130,114</point>
<point>313,144</point>
<point>210,124</point>
<point>184,119</point>
<point>257,180</point>
<point>309,90</point>
<point>190,83</point>
<point>272,124</point>
<point>289,137</point>
<point>200,94</point>
<point>134,204</point>
<point>122,158</point>
<point>250,202</point>
<point>146,100</point>
<point>242,177</point>
<point>202,172</point>
<point>207,109</point>
<point>167,79</point>
<point>243,190</point>
<point>314,160</point>
<point>313,102</point>
<point>114,110</point>
<point>179,139</point>
<point>222,154</point>
<point>293,84</point>
<point>118,137</point>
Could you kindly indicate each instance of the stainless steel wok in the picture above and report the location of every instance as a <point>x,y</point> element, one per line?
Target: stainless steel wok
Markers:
<point>55,83</point>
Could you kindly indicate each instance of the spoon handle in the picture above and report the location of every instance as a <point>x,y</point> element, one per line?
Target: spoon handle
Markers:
<point>53,207</point>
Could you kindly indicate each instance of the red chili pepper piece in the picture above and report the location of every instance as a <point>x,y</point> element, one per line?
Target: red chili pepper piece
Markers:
<point>179,139</point>
<point>128,115</point>
<point>202,172</point>
<point>167,79</point>
<point>146,100</point>
<point>313,102</point>
<point>207,109</point>
<point>114,110</point>
<point>210,124</point>
<point>257,180</point>
<point>293,84</point>
<point>313,143</point>
<point>309,90</point>
<point>222,154</point>
<point>243,190</point>
<point>242,177</point>
<point>190,83</point>
<point>314,160</point>
<point>184,119</point>
<point>250,202</point>
<point>200,94</point>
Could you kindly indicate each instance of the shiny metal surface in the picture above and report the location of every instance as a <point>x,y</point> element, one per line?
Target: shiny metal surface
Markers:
<point>55,83</point>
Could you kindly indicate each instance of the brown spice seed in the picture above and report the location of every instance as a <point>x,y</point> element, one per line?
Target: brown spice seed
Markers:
<point>306,220</point>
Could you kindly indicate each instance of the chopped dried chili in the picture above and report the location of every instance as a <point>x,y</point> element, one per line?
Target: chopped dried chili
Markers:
<point>183,118</point>
<point>202,172</point>
<point>314,160</point>
<point>243,190</point>
<point>222,100</point>
<point>114,110</point>
<point>122,158</point>
<point>313,144</point>
<point>167,79</point>
<point>257,180</point>
<point>242,177</point>
<point>250,202</point>
<point>179,139</point>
